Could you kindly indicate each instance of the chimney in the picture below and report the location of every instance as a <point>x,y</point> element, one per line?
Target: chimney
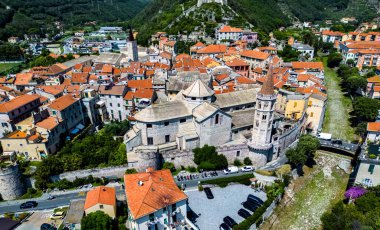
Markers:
<point>140,183</point>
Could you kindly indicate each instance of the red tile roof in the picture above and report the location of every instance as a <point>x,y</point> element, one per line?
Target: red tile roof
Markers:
<point>100,195</point>
<point>373,126</point>
<point>212,49</point>
<point>229,29</point>
<point>63,102</point>
<point>151,191</point>
<point>17,102</point>
<point>254,54</point>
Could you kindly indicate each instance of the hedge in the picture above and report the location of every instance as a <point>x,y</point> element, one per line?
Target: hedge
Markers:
<point>223,182</point>
<point>255,218</point>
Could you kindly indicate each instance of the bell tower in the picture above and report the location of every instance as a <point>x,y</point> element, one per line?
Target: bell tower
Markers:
<point>261,141</point>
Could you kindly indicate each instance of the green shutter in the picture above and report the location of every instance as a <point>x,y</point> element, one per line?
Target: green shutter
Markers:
<point>371,168</point>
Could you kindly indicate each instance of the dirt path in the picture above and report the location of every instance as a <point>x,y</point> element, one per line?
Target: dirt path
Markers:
<point>338,108</point>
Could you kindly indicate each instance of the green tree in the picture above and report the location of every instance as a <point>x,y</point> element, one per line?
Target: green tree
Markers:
<point>365,109</point>
<point>119,157</point>
<point>334,59</point>
<point>237,162</point>
<point>355,83</point>
<point>247,161</point>
<point>96,221</point>
<point>169,165</point>
<point>207,158</point>
<point>296,157</point>
<point>130,171</point>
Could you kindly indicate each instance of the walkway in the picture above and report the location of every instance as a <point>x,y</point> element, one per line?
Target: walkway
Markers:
<point>338,108</point>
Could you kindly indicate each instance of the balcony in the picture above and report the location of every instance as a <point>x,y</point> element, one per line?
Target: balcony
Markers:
<point>153,221</point>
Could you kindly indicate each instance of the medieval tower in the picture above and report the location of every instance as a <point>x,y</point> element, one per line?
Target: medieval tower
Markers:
<point>132,52</point>
<point>11,184</point>
<point>261,141</point>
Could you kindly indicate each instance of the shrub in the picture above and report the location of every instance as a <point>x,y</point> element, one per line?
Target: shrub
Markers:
<point>264,172</point>
<point>200,188</point>
<point>247,161</point>
<point>223,182</point>
<point>169,165</point>
<point>372,156</point>
<point>237,162</point>
<point>130,171</point>
<point>191,169</point>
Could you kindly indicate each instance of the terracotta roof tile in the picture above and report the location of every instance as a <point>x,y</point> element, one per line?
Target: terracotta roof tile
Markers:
<point>49,123</point>
<point>63,102</point>
<point>373,126</point>
<point>100,195</point>
<point>254,54</point>
<point>17,102</point>
<point>213,49</point>
<point>229,29</point>
<point>307,65</point>
<point>151,191</point>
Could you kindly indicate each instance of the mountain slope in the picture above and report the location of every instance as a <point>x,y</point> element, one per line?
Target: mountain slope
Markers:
<point>266,15</point>
<point>37,16</point>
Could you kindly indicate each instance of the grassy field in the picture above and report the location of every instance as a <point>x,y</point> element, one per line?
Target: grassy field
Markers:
<point>315,192</point>
<point>338,108</point>
<point>6,66</point>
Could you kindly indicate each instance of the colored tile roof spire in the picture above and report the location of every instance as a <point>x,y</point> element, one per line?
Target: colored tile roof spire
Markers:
<point>268,87</point>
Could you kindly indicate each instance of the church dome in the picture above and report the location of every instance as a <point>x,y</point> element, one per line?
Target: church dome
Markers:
<point>198,89</point>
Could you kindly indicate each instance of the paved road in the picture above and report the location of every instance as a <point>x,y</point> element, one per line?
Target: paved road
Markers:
<point>64,199</point>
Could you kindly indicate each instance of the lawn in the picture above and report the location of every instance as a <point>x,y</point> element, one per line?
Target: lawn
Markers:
<point>7,66</point>
<point>315,192</point>
<point>338,108</point>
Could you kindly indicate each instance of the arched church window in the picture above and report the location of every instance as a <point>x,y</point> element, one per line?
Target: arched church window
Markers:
<point>217,119</point>
<point>257,123</point>
<point>266,105</point>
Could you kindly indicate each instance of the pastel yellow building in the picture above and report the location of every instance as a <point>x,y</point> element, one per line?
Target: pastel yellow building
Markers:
<point>101,199</point>
<point>315,110</point>
<point>295,106</point>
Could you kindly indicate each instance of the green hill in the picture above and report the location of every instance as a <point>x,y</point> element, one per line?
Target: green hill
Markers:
<point>38,16</point>
<point>266,15</point>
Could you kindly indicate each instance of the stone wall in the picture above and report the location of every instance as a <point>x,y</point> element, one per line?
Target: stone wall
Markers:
<point>11,184</point>
<point>180,158</point>
<point>116,171</point>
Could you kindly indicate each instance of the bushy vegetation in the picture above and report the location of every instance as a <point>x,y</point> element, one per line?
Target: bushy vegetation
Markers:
<point>208,159</point>
<point>223,182</point>
<point>38,16</point>
<point>66,184</point>
<point>304,151</point>
<point>95,150</point>
<point>96,221</point>
<point>363,213</point>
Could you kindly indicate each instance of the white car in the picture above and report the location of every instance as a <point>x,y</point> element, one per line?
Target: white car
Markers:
<point>247,168</point>
<point>57,216</point>
<point>230,170</point>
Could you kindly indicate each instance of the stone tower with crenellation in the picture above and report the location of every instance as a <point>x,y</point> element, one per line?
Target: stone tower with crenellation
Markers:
<point>222,2</point>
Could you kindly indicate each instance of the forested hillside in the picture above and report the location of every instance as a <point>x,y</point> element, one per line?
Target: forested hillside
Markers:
<point>18,17</point>
<point>264,14</point>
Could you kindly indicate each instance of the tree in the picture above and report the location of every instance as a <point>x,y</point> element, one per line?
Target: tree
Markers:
<point>96,221</point>
<point>296,157</point>
<point>207,158</point>
<point>247,161</point>
<point>365,109</point>
<point>350,62</point>
<point>355,83</point>
<point>283,170</point>
<point>289,54</point>
<point>237,162</point>
<point>334,60</point>
<point>130,171</point>
<point>169,165</point>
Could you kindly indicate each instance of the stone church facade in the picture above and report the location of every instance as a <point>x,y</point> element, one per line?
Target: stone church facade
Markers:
<point>240,124</point>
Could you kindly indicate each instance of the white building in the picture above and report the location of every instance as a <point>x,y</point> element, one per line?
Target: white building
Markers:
<point>113,96</point>
<point>228,33</point>
<point>154,201</point>
<point>305,50</point>
<point>198,117</point>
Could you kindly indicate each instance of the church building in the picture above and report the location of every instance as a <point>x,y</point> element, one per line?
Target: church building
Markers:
<point>240,124</point>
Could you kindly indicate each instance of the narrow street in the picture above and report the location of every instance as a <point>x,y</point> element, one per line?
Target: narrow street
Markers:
<point>338,108</point>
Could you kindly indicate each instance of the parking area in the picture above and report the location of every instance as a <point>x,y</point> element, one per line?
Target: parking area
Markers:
<point>35,221</point>
<point>227,201</point>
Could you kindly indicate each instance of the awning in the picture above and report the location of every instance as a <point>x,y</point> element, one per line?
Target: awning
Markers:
<point>80,126</point>
<point>74,131</point>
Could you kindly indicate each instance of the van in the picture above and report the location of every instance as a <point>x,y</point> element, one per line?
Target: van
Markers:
<point>231,170</point>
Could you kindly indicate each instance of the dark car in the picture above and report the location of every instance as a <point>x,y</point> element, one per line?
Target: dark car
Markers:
<point>28,204</point>
<point>244,213</point>
<point>46,226</point>
<point>337,142</point>
<point>209,193</point>
<point>224,227</point>
<point>250,206</point>
<point>229,221</point>
<point>255,198</point>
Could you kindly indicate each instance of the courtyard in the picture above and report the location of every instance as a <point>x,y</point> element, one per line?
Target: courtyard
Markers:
<point>37,219</point>
<point>227,201</point>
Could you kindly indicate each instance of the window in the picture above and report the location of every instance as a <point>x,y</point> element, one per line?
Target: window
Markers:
<point>264,117</point>
<point>20,144</point>
<point>151,217</point>
<point>311,114</point>
<point>111,104</point>
<point>19,127</point>
<point>149,125</point>
<point>295,104</point>
<point>205,98</point>
<point>167,138</point>
<point>183,120</point>
<point>174,207</point>
<point>118,104</point>
<point>217,119</point>
<point>150,140</point>
<point>310,103</point>
<point>193,98</point>
<point>166,123</point>
<point>54,112</point>
<point>371,168</point>
<point>238,153</point>
<point>101,206</point>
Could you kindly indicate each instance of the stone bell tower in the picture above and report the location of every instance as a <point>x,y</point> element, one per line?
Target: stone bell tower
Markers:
<point>261,141</point>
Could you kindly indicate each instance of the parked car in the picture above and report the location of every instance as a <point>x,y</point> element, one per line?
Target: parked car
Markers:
<point>244,213</point>
<point>248,205</point>
<point>57,215</point>
<point>254,203</point>
<point>46,226</point>
<point>51,197</point>
<point>28,204</point>
<point>247,168</point>
<point>231,170</point>
<point>208,193</point>
<point>255,198</point>
<point>229,221</point>
<point>224,226</point>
